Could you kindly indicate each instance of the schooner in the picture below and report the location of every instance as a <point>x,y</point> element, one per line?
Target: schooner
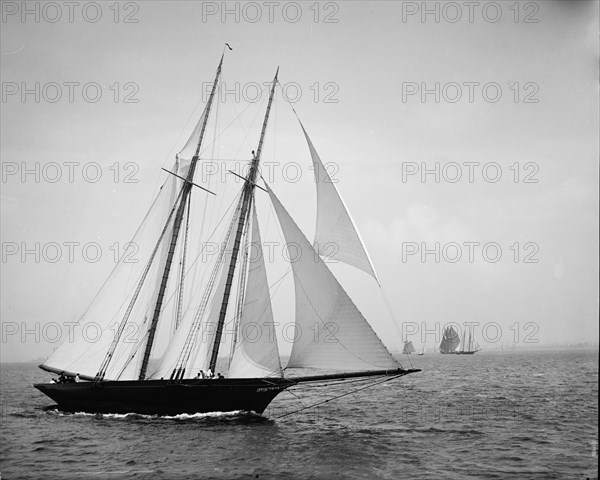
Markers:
<point>159,296</point>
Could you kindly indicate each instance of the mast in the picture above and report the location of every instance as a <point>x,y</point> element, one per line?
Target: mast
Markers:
<point>246,201</point>
<point>176,229</point>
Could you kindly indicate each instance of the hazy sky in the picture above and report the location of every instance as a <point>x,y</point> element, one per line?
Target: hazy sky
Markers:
<point>385,90</point>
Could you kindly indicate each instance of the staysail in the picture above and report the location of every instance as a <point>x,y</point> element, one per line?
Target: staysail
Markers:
<point>336,236</point>
<point>256,353</point>
<point>331,333</point>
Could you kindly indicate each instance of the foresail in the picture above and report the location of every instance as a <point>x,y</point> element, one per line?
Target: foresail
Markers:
<point>331,333</point>
<point>336,236</point>
<point>124,297</point>
<point>256,353</point>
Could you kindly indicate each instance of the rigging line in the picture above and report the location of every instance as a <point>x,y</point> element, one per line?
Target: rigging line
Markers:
<point>391,313</point>
<point>193,348</point>
<point>323,385</point>
<point>228,126</point>
<point>139,232</point>
<point>140,228</point>
<point>342,395</point>
<point>192,114</point>
<point>241,291</point>
<point>139,344</point>
<point>133,301</point>
<point>180,296</point>
<point>258,110</point>
<point>202,250</point>
<point>191,337</point>
<point>221,199</point>
<point>409,360</point>
<point>139,279</point>
<point>216,138</point>
<point>212,155</point>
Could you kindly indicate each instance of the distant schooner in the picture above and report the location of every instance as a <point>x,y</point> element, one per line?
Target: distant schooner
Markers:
<point>450,340</point>
<point>452,343</point>
<point>115,374</point>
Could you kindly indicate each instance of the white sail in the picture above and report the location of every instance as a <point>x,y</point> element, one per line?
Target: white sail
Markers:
<point>336,236</point>
<point>86,347</point>
<point>256,353</point>
<point>331,333</point>
<point>198,326</point>
<point>408,348</point>
<point>200,358</point>
<point>189,149</point>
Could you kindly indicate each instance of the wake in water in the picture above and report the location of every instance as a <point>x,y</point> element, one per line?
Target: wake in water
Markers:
<point>183,417</point>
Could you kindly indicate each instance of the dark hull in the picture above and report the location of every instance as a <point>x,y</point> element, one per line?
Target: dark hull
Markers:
<point>465,353</point>
<point>161,397</point>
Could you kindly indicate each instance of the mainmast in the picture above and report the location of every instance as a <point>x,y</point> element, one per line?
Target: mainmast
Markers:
<point>176,229</point>
<point>246,201</point>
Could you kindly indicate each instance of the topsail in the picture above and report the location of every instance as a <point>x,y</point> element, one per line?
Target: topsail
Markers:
<point>336,236</point>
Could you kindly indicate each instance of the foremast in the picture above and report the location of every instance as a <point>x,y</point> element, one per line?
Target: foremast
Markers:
<point>186,190</point>
<point>245,204</point>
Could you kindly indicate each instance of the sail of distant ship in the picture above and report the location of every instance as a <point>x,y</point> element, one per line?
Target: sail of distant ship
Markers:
<point>468,345</point>
<point>171,300</point>
<point>408,348</point>
<point>422,352</point>
<point>450,340</point>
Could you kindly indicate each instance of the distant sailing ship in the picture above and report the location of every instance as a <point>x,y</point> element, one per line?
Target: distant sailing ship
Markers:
<point>450,340</point>
<point>159,296</point>
<point>467,346</point>
<point>453,344</point>
<point>422,352</point>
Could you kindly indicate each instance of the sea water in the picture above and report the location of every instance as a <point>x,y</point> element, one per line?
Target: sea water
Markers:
<point>505,415</point>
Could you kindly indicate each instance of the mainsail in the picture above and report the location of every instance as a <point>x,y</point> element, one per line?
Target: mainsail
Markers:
<point>336,236</point>
<point>331,333</point>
